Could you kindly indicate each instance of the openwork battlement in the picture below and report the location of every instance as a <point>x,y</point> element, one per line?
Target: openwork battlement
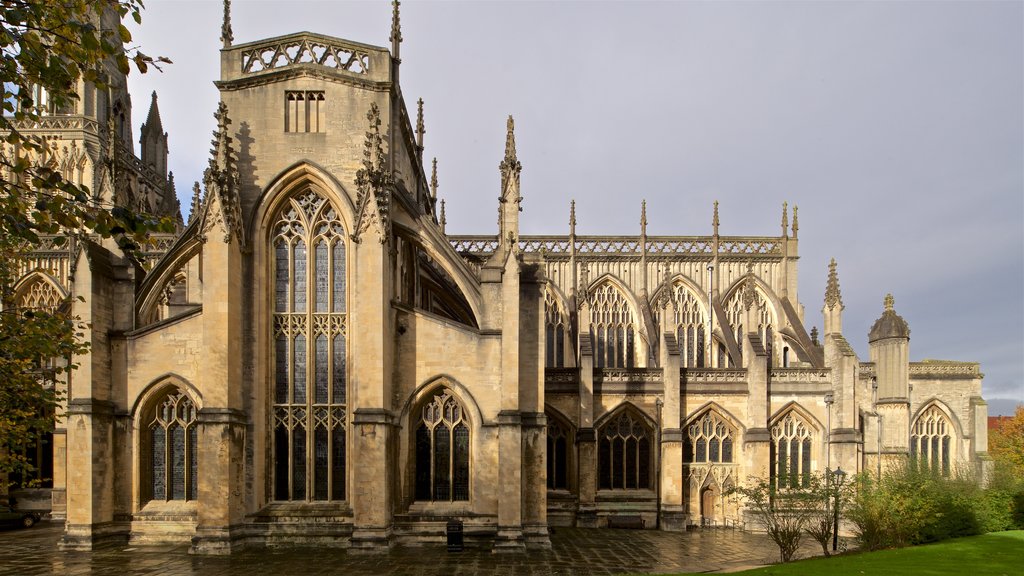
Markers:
<point>305,49</point>
<point>482,246</point>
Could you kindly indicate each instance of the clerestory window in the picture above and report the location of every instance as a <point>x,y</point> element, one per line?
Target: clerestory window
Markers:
<point>309,330</point>
<point>556,323</point>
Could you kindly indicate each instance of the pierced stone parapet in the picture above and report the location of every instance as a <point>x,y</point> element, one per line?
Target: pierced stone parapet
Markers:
<point>629,246</point>
<point>816,375</point>
<point>305,49</point>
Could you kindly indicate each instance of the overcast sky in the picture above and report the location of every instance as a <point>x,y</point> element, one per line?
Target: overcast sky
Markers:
<point>897,127</point>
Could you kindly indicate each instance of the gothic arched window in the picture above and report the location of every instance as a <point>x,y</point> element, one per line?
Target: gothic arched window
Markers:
<point>690,324</point>
<point>612,328</point>
<point>931,441</point>
<point>791,452</point>
<point>39,294</point>
<point>170,441</point>
<point>556,324</point>
<point>442,450</point>
<point>624,453</point>
<point>708,439</point>
<point>309,351</point>
<point>735,309</point>
<point>558,455</point>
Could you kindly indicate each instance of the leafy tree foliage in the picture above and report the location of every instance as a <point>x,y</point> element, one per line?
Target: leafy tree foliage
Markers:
<point>788,514</point>
<point>1006,443</point>
<point>48,47</point>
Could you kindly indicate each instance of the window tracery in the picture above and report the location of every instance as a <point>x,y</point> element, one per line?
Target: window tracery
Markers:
<point>791,452</point>
<point>556,323</point>
<point>735,310</point>
<point>172,440</point>
<point>624,453</point>
<point>557,456</point>
<point>613,328</point>
<point>708,439</point>
<point>689,319</point>
<point>309,332</point>
<point>40,295</point>
<point>931,441</point>
<point>442,450</point>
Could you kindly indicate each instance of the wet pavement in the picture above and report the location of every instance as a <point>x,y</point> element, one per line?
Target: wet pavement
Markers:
<point>573,551</point>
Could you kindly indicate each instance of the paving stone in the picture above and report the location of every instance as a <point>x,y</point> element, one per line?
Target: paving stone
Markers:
<point>574,551</point>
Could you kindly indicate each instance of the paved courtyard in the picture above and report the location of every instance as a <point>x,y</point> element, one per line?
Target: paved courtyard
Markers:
<point>575,551</point>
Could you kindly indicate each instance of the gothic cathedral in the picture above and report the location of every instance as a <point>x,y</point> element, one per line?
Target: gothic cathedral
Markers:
<point>314,359</point>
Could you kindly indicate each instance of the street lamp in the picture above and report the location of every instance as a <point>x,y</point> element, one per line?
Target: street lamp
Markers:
<point>840,477</point>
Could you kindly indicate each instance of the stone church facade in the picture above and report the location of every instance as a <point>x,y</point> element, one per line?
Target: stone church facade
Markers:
<point>313,358</point>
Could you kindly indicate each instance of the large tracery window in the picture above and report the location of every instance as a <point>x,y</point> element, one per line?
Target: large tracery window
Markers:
<point>612,328</point>
<point>735,311</point>
<point>442,450</point>
<point>558,455</point>
<point>309,351</point>
<point>556,324</point>
<point>708,439</point>
<point>171,442</point>
<point>931,441</point>
<point>791,452</point>
<point>690,322</point>
<point>624,453</point>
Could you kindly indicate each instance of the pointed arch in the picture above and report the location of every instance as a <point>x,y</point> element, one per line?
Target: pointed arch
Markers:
<point>39,290</point>
<point>767,307</point>
<point>933,431</point>
<point>166,415</point>
<point>709,436</point>
<point>625,449</point>
<point>557,326</point>
<point>561,436</point>
<point>441,428</point>
<point>687,318</point>
<point>615,323</point>
<point>794,433</point>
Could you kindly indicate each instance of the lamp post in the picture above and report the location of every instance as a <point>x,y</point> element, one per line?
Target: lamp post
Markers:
<point>840,477</point>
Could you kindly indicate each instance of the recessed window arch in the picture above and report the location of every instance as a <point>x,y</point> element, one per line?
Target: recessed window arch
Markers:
<point>624,453</point>
<point>791,451</point>
<point>309,344</point>
<point>556,331</point>
<point>931,441</point>
<point>708,439</point>
<point>735,310</point>
<point>613,328</point>
<point>38,293</point>
<point>689,320</point>
<point>170,447</point>
<point>442,449</point>
<point>559,454</point>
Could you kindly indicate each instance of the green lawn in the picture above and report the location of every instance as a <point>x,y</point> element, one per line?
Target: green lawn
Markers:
<point>998,554</point>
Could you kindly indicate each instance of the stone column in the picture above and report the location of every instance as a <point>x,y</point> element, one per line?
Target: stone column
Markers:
<point>531,403</point>
<point>586,439</point>
<point>672,517</point>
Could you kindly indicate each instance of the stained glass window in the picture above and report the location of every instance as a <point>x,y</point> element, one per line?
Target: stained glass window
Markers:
<point>791,446</point>
<point>735,311</point>
<point>558,458</point>
<point>709,439</point>
<point>173,440</point>
<point>442,450</point>
<point>612,320</point>
<point>309,425</point>
<point>624,455</point>
<point>930,441</point>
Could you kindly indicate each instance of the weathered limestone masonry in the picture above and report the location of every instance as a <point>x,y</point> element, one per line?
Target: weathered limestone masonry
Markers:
<point>313,359</point>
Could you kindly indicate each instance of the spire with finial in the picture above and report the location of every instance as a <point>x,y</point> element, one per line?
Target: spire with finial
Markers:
<point>890,303</point>
<point>444,219</point>
<point>197,202</point>
<point>510,161</point>
<point>643,217</point>
<point>226,36</point>
<point>785,219</point>
<point>748,296</point>
<point>420,131</point>
<point>833,297</point>
<point>396,30</point>
<point>714,220</point>
<point>796,225</point>
<point>572,218</point>
<point>433,179</point>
